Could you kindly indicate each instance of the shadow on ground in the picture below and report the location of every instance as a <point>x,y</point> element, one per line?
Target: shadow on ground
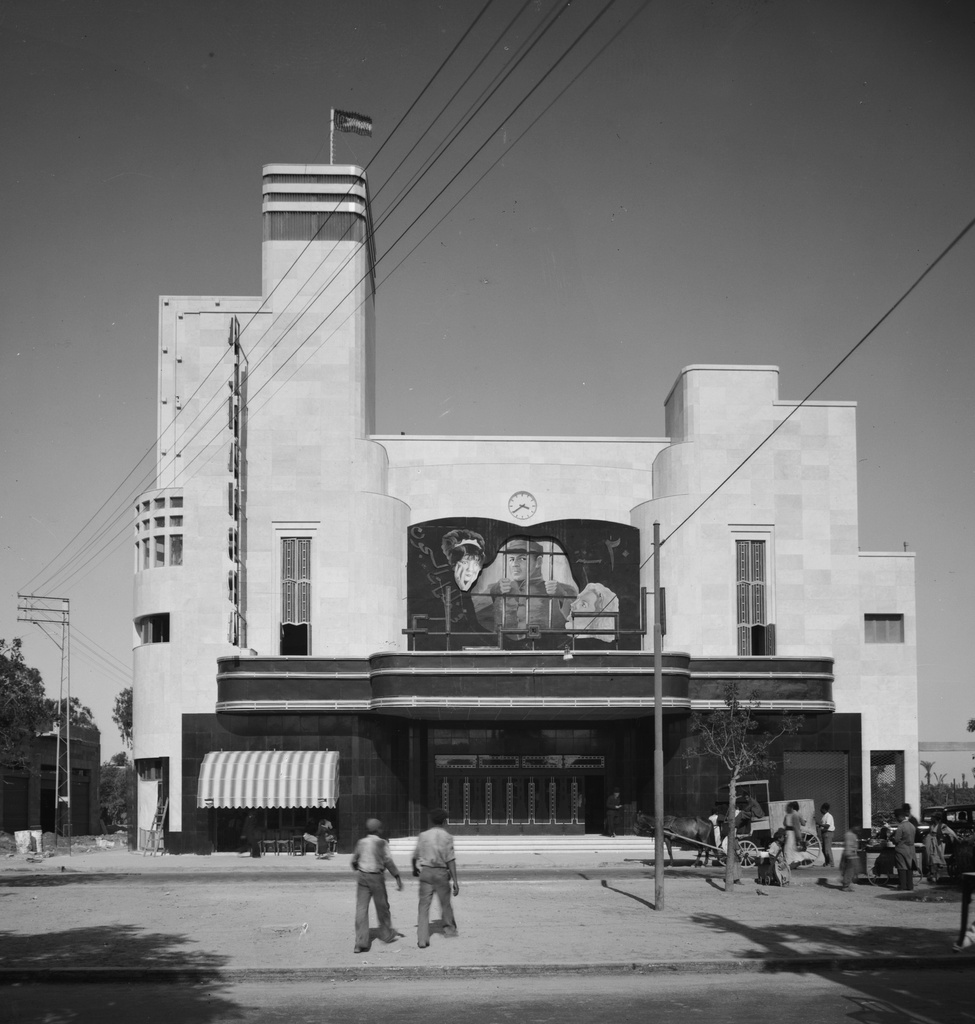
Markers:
<point>794,941</point>
<point>108,946</point>
<point>148,1004</point>
<point>47,881</point>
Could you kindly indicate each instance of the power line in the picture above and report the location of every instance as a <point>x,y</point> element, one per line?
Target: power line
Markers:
<point>927,270</point>
<point>151,450</point>
<point>122,511</point>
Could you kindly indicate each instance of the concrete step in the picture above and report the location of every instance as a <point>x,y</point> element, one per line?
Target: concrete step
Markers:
<point>629,845</point>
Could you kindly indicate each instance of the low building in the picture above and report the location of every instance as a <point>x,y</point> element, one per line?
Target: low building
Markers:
<point>329,620</point>
<point>28,796</point>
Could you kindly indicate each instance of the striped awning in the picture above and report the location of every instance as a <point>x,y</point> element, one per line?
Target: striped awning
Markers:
<point>268,778</point>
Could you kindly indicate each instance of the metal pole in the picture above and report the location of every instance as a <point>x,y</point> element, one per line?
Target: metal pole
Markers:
<point>331,137</point>
<point>658,733</point>
<point>66,676</point>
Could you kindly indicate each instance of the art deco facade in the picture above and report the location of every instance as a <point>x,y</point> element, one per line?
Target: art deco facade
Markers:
<point>463,620</point>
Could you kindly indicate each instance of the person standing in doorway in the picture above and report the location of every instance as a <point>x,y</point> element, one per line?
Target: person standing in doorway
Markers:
<point>827,826</point>
<point>436,867</point>
<point>252,834</point>
<point>370,862</point>
<point>613,807</point>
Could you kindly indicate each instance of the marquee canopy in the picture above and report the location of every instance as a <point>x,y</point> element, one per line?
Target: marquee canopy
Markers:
<point>268,778</point>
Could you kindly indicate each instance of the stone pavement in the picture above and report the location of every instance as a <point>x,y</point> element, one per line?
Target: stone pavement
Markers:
<point>112,915</point>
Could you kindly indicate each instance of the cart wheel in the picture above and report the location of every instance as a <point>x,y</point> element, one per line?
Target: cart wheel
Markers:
<point>880,878</point>
<point>813,845</point>
<point>747,853</point>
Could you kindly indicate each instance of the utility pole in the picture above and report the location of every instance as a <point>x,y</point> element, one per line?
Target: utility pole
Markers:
<point>658,731</point>
<point>49,613</point>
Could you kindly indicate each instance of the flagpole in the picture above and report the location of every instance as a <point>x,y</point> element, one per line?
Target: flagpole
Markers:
<point>331,137</point>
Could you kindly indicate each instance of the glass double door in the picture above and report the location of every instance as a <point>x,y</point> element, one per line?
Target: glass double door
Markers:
<point>512,799</point>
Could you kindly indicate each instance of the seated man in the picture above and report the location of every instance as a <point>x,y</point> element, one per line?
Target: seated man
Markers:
<point>326,841</point>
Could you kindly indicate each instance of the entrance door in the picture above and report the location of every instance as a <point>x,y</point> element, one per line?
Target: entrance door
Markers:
<point>533,799</point>
<point>595,803</point>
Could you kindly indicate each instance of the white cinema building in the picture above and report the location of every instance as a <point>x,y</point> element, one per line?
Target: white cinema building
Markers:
<point>329,621</point>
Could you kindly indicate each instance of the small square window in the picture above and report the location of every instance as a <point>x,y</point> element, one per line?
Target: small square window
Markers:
<point>160,522</point>
<point>175,520</point>
<point>159,503</point>
<point>176,502</point>
<point>883,629</point>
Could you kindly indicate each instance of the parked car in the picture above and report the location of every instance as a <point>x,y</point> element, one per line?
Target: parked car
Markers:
<point>960,818</point>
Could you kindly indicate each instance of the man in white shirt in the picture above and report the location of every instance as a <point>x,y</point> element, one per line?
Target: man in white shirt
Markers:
<point>434,864</point>
<point>370,862</point>
<point>826,829</point>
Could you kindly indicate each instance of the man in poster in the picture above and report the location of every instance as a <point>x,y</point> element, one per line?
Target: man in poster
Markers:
<point>525,595</point>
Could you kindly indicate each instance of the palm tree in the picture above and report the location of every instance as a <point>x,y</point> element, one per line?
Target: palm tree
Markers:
<point>927,766</point>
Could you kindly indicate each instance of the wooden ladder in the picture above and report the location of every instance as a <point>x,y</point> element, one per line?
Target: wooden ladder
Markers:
<point>154,839</point>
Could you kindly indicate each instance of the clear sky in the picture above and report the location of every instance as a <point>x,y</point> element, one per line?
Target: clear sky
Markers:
<point>735,182</point>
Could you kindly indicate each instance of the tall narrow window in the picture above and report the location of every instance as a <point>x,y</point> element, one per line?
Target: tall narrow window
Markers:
<point>296,595</point>
<point>756,635</point>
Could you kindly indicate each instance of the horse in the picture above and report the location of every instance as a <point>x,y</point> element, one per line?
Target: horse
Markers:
<point>700,830</point>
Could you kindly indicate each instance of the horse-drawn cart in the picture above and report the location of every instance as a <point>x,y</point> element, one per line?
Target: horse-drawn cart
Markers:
<point>755,833</point>
<point>756,821</point>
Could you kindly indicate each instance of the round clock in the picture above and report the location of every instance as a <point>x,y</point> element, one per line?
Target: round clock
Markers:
<point>522,505</point>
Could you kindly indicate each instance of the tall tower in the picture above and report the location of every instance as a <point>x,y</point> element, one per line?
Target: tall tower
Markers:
<point>269,528</point>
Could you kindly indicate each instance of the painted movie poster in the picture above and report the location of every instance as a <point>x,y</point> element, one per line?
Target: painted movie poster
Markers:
<point>488,583</point>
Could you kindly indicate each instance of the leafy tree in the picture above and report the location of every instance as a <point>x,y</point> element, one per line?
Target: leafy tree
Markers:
<point>80,713</point>
<point>115,789</point>
<point>732,736</point>
<point>24,707</point>
<point>122,715</point>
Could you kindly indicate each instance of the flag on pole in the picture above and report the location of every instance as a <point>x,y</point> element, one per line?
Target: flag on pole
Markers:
<point>347,121</point>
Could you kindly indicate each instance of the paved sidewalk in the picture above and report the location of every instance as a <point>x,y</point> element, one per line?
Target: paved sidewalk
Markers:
<point>113,915</point>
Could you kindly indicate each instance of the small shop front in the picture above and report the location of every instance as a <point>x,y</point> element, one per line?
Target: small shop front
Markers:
<point>267,801</point>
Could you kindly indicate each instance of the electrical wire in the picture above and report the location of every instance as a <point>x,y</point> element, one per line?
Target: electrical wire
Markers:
<point>151,450</point>
<point>904,295</point>
<point>123,511</point>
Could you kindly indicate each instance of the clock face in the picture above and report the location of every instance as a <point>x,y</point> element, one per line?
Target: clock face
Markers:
<point>522,505</point>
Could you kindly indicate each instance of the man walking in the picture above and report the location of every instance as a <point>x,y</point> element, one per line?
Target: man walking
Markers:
<point>370,861</point>
<point>434,864</point>
<point>826,829</point>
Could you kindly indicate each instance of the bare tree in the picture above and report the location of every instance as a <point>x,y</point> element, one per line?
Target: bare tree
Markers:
<point>732,736</point>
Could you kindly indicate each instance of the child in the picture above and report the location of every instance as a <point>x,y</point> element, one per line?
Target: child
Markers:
<point>850,861</point>
<point>780,866</point>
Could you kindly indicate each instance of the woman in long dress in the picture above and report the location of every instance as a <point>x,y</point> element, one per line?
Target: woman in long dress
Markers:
<point>934,847</point>
<point>793,835</point>
<point>776,852</point>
